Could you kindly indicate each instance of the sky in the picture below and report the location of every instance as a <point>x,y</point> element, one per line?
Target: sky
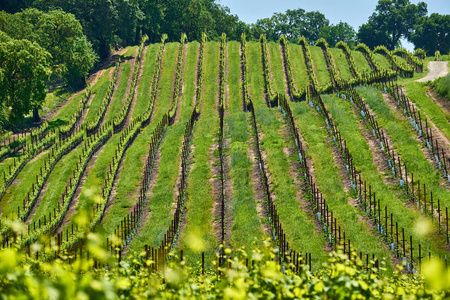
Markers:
<point>354,12</point>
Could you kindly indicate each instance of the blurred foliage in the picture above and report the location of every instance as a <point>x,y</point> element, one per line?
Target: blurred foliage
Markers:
<point>22,277</point>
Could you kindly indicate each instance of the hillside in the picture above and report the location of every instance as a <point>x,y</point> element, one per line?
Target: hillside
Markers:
<point>189,148</point>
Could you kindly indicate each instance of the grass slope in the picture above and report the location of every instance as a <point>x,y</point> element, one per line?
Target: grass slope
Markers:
<point>246,226</point>
<point>198,234</point>
<point>300,230</point>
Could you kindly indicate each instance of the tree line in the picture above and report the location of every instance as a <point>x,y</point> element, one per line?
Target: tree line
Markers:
<point>63,39</point>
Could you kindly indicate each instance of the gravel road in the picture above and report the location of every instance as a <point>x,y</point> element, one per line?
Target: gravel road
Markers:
<point>437,69</point>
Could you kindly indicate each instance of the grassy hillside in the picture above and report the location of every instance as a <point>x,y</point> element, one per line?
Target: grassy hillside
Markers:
<point>310,175</point>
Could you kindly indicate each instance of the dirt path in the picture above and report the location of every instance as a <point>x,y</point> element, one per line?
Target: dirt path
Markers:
<point>436,69</point>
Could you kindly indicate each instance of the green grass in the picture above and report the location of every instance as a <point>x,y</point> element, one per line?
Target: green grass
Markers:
<point>57,182</point>
<point>383,61</point>
<point>167,72</point>
<point>361,62</point>
<point>66,112</point>
<point>298,66</point>
<point>129,178</point>
<point>417,93</point>
<point>276,67</point>
<point>143,90</point>
<point>4,166</point>
<point>343,115</point>
<point>246,227</point>
<point>300,230</point>
<point>131,51</point>
<point>401,60</point>
<point>99,89</point>
<point>198,234</point>
<point>329,182</point>
<point>162,194</point>
<point>95,178</point>
<point>320,66</point>
<point>52,101</point>
<point>442,86</point>
<point>342,65</point>
<point>118,98</point>
<point>16,193</point>
<point>402,135</point>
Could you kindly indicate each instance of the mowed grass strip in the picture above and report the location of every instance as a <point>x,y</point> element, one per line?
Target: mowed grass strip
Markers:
<point>198,235</point>
<point>320,66</point>
<point>300,229</point>
<point>329,181</point>
<point>66,112</point>
<point>410,150</point>
<point>361,62</point>
<point>5,165</point>
<point>382,60</point>
<point>417,93</point>
<point>118,98</point>
<point>342,64</point>
<point>18,190</point>
<point>344,117</point>
<point>148,70</point>
<point>276,67</point>
<point>96,176</point>
<point>298,66</point>
<point>99,91</point>
<point>57,182</point>
<point>129,180</point>
<point>162,194</point>
<point>246,225</point>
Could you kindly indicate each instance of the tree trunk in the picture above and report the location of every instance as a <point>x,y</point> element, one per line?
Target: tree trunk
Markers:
<point>36,118</point>
<point>138,35</point>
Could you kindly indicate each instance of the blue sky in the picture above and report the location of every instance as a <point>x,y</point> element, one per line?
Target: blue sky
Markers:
<point>354,12</point>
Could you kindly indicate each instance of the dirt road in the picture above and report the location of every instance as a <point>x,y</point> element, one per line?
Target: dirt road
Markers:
<point>437,69</point>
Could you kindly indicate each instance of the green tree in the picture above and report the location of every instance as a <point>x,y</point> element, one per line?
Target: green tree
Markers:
<point>153,19</point>
<point>391,21</point>
<point>130,17</point>
<point>60,34</point>
<point>314,22</point>
<point>25,69</point>
<point>432,33</point>
<point>98,18</point>
<point>293,24</point>
<point>13,6</point>
<point>339,32</point>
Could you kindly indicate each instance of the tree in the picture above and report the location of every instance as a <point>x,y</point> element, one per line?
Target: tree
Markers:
<point>432,33</point>
<point>153,18</point>
<point>25,69</point>
<point>60,34</point>
<point>372,35</point>
<point>13,6</point>
<point>314,22</point>
<point>98,18</point>
<point>226,22</point>
<point>130,16</point>
<point>293,24</point>
<point>339,32</point>
<point>391,21</point>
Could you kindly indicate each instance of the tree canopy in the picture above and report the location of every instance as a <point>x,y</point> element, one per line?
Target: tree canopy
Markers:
<point>391,21</point>
<point>432,33</point>
<point>24,70</point>
<point>59,33</point>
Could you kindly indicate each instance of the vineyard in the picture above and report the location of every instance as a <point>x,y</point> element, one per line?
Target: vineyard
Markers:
<point>204,153</point>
